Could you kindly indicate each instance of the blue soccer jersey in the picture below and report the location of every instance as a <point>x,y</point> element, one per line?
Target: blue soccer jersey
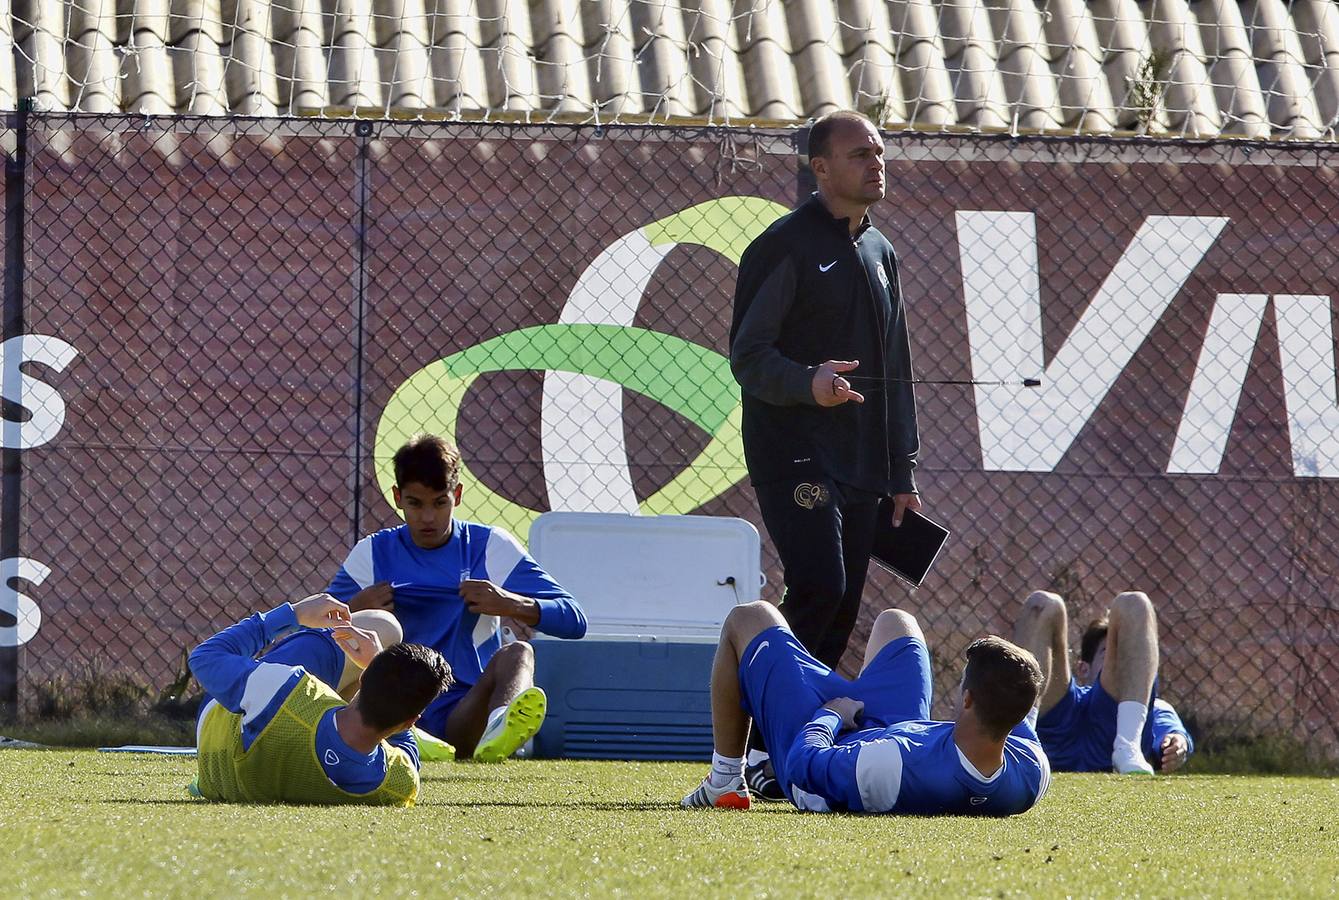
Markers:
<point>426,585</point>
<point>1079,730</point>
<point>912,768</point>
<point>226,667</point>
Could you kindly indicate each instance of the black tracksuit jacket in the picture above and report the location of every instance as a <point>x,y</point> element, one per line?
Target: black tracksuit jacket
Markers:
<point>808,292</point>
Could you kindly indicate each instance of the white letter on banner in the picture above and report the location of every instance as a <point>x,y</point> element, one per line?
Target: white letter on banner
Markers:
<point>1029,430</point>
<point>1215,390</point>
<point>27,617</point>
<point>40,399</point>
<point>1306,349</point>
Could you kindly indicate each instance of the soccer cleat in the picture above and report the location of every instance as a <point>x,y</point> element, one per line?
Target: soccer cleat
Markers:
<point>432,749</point>
<point>735,795</point>
<point>507,732</point>
<point>762,782</point>
<point>1127,759</point>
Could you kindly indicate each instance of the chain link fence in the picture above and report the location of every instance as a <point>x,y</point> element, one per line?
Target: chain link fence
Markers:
<point>218,331</point>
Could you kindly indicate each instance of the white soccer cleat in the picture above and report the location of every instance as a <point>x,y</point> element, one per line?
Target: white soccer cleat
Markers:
<point>734,795</point>
<point>1127,759</point>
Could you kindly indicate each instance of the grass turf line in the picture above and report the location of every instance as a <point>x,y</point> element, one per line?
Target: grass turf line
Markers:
<point>121,824</point>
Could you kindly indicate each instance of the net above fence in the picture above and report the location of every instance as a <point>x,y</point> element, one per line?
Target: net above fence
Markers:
<point>229,326</point>
<point>1256,69</point>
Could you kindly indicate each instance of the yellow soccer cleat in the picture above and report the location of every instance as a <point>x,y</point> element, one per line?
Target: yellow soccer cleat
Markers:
<point>509,730</point>
<point>432,749</point>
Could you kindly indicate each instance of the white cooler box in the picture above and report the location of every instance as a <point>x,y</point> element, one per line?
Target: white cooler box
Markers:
<point>655,590</point>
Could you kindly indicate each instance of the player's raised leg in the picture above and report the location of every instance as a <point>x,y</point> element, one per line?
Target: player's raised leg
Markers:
<point>1043,630</point>
<point>502,710</point>
<point>1128,670</point>
<point>724,786</point>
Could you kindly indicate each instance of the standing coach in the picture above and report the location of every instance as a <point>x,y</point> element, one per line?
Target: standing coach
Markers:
<point>818,307</point>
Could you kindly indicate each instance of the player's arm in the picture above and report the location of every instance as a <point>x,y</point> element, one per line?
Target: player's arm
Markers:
<point>816,765</point>
<point>404,740</point>
<point>517,587</point>
<point>1171,739</point>
<point>224,664</point>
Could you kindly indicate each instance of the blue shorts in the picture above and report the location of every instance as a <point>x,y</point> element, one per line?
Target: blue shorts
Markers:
<point>433,720</point>
<point>1077,733</point>
<point>781,686</point>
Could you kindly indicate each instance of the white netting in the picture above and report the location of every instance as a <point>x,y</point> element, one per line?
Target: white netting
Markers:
<point>1208,67</point>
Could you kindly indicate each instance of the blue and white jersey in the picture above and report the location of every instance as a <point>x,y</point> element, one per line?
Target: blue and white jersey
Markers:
<point>1078,731</point>
<point>226,667</point>
<point>911,767</point>
<point>426,584</point>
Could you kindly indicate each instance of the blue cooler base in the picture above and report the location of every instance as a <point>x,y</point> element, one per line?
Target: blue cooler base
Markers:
<point>625,699</point>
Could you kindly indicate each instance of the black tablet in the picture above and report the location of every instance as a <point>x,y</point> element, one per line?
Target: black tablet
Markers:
<point>909,550</point>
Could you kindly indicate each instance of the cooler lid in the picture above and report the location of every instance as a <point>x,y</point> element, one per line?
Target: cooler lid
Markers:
<point>663,576</point>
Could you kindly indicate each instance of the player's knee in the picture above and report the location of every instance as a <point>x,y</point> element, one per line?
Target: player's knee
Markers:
<point>892,624</point>
<point>1131,606</point>
<point>516,655</point>
<point>748,619</point>
<point>1044,604</point>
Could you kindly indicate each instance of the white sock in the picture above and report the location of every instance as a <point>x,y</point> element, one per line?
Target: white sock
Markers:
<point>757,757</point>
<point>493,718</point>
<point>725,769</point>
<point>1130,717</point>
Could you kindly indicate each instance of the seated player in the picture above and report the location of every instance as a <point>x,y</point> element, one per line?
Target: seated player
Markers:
<point>1106,715</point>
<point>869,745</point>
<point>276,733</point>
<point>449,581</point>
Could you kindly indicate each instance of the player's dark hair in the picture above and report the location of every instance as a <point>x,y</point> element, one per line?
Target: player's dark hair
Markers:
<point>430,460</point>
<point>1093,636</point>
<point>820,134</point>
<point>1005,682</point>
<point>399,683</point>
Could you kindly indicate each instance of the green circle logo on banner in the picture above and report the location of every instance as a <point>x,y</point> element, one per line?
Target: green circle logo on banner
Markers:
<point>692,380</point>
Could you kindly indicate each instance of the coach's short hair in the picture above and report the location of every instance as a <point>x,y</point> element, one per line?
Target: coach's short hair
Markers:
<point>399,684</point>
<point>1093,636</point>
<point>1005,682</point>
<point>429,460</point>
<point>820,134</point>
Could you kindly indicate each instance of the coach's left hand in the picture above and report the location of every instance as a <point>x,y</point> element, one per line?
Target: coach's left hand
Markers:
<point>902,503</point>
<point>487,599</point>
<point>1173,752</point>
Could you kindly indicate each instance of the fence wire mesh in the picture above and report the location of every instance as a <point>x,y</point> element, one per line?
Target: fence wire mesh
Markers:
<point>229,325</point>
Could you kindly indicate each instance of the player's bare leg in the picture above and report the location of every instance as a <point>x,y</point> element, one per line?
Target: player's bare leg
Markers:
<point>724,787</point>
<point>1043,630</point>
<point>891,625</point>
<point>1128,671</point>
<point>505,691</point>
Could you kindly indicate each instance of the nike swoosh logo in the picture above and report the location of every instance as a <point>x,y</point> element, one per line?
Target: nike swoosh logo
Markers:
<point>401,584</point>
<point>823,268</point>
<point>761,648</point>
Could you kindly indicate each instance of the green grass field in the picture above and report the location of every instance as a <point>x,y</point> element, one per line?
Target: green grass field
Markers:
<point>82,822</point>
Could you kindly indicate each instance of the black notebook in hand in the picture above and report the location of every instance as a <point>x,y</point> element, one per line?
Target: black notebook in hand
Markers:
<point>909,550</point>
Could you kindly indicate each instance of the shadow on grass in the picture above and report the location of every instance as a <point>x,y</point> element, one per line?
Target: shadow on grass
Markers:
<point>590,805</point>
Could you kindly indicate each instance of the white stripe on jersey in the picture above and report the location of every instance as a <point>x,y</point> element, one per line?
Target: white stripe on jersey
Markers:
<point>878,775</point>
<point>265,681</point>
<point>808,802</point>
<point>200,723</point>
<point>1045,765</point>
<point>359,563</point>
<point>485,629</point>
<point>501,556</point>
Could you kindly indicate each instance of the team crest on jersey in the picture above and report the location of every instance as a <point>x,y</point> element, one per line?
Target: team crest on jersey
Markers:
<point>810,496</point>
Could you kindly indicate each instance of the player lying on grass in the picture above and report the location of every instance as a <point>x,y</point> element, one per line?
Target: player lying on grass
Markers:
<point>1106,715</point>
<point>276,733</point>
<point>339,664</point>
<point>869,745</point>
<point>449,582</point>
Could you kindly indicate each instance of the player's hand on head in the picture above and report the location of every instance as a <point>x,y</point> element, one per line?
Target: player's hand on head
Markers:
<point>1174,752</point>
<point>378,596</point>
<point>830,388</point>
<point>484,597</point>
<point>321,611</point>
<point>360,644</point>
<point>850,710</point>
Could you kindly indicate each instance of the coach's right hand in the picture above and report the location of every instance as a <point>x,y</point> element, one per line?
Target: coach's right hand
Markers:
<point>830,388</point>
<point>850,710</point>
<point>378,596</point>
